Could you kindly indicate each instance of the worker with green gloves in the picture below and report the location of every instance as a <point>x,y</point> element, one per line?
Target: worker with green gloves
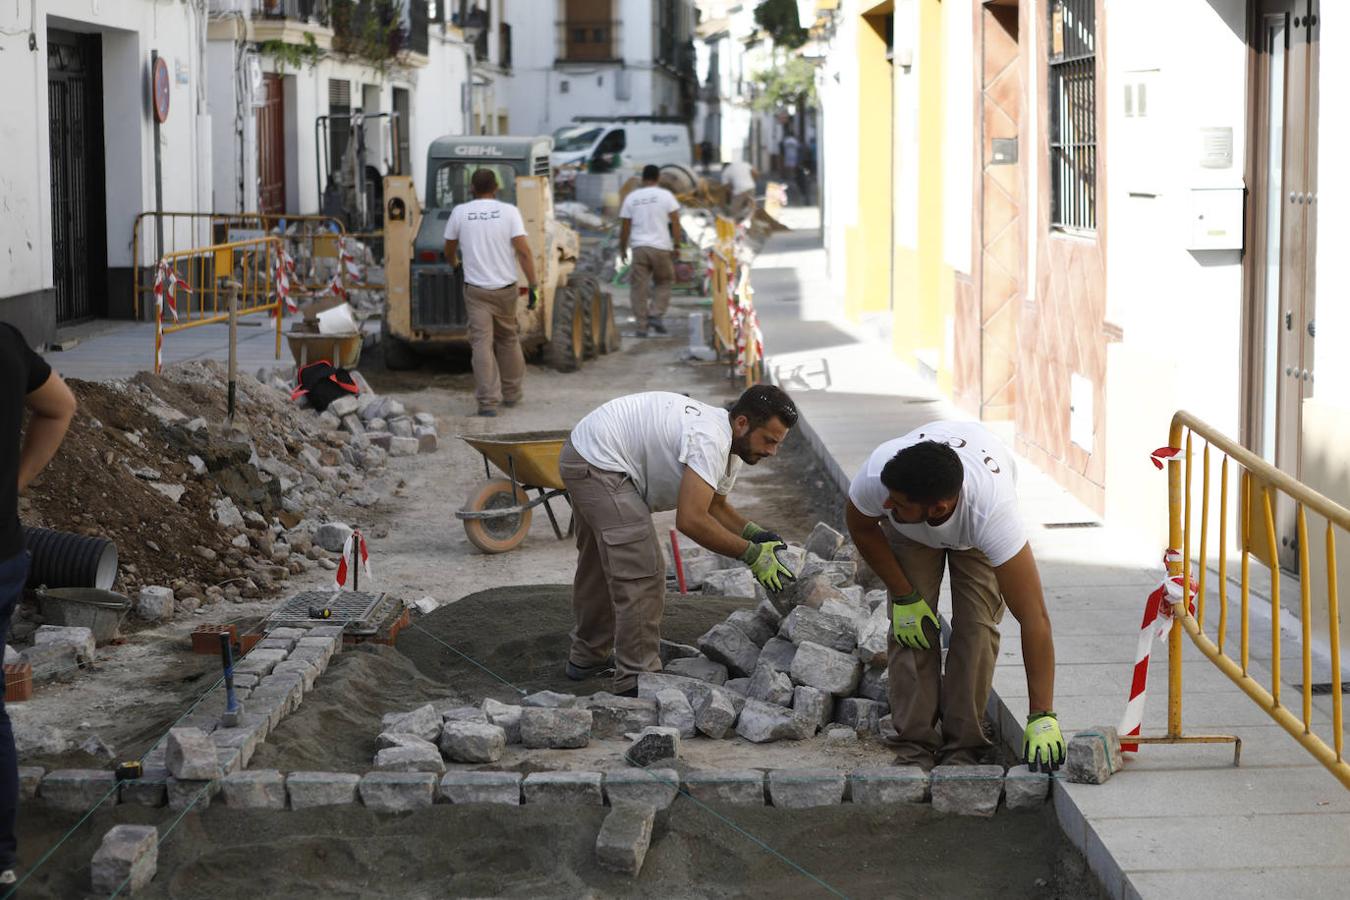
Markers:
<point>944,496</point>
<point>645,453</point>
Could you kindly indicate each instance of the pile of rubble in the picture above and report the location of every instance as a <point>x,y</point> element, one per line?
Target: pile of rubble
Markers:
<point>213,510</point>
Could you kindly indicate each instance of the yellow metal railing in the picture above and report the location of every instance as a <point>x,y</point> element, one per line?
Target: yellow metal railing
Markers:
<point>314,238</point>
<point>1261,491</point>
<point>210,279</point>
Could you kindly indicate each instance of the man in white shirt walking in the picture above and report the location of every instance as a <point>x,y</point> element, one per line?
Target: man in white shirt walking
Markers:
<point>491,236</point>
<point>645,453</point>
<point>739,178</point>
<point>946,495</point>
<point>650,222</point>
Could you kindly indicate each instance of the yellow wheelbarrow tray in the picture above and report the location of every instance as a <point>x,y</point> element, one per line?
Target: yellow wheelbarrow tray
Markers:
<point>498,513</point>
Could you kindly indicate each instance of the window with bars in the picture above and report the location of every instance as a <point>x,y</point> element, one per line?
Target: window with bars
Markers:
<point>1073,115</point>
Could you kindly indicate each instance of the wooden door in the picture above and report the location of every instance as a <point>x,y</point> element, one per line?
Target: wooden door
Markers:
<point>271,124</point>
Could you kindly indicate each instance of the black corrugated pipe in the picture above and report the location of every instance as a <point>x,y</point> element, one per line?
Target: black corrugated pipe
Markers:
<point>62,559</point>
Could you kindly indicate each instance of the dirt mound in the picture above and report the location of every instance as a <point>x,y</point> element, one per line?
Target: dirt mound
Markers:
<point>192,502</point>
<point>521,634</point>
<point>335,728</point>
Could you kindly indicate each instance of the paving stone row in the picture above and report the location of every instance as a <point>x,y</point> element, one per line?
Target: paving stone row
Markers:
<point>197,756</point>
<point>968,790</point>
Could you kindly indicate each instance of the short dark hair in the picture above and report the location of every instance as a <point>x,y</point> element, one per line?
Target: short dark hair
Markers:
<point>926,472</point>
<point>651,173</point>
<point>484,181</point>
<point>763,402</point>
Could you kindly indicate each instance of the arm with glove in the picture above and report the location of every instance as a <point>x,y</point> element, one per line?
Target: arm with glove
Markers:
<point>910,612</point>
<point>706,517</point>
<point>1043,745</point>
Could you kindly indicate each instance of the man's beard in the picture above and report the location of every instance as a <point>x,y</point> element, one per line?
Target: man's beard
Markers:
<point>741,447</point>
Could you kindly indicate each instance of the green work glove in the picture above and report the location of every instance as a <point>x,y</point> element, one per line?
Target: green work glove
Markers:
<point>764,565</point>
<point>908,613</point>
<point>758,535</point>
<point>1043,742</point>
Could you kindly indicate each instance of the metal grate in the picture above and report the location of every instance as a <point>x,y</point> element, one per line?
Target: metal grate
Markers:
<point>1073,115</point>
<point>438,298</point>
<point>361,612</point>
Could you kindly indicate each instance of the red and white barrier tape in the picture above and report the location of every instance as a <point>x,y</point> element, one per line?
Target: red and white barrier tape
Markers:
<point>1155,626</point>
<point>285,268</point>
<point>166,287</point>
<point>355,539</point>
<point>1157,457</point>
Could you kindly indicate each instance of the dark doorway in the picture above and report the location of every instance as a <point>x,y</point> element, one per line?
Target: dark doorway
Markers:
<point>75,136</point>
<point>403,129</point>
<point>271,121</point>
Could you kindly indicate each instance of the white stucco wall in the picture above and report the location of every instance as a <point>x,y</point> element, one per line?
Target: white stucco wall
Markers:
<point>129,31</point>
<point>1180,310</point>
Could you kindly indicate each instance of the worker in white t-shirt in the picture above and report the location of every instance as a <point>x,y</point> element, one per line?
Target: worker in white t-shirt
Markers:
<point>650,222</point>
<point>946,494</point>
<point>646,453</point>
<point>739,178</point>
<point>491,237</point>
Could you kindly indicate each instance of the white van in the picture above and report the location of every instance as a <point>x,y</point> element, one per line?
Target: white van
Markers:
<point>622,145</point>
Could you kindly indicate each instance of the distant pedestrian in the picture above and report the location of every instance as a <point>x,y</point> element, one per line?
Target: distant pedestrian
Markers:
<point>492,235</point>
<point>650,221</point>
<point>792,156</point>
<point>27,383</point>
<point>739,178</point>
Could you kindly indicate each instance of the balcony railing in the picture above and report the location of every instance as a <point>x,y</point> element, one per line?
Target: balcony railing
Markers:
<point>314,11</point>
<point>588,41</point>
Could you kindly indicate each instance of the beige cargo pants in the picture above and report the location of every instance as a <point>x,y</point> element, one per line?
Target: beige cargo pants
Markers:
<point>498,361</point>
<point>938,714</point>
<point>651,265</point>
<point>619,591</point>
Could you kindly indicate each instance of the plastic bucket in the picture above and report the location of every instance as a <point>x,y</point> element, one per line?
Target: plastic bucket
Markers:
<point>98,610</point>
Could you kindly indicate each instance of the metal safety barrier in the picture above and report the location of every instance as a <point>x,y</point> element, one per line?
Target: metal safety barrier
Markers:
<point>1261,492</point>
<point>199,286</point>
<point>308,239</point>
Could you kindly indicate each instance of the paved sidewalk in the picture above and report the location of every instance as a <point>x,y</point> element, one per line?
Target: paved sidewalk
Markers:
<point>1178,821</point>
<point>108,349</point>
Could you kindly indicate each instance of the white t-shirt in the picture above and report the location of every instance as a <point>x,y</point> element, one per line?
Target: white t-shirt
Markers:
<point>739,176</point>
<point>986,516</point>
<point>652,437</point>
<point>649,208</point>
<point>484,229</point>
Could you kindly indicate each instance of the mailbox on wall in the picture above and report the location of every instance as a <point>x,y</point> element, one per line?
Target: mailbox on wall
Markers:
<point>1216,218</point>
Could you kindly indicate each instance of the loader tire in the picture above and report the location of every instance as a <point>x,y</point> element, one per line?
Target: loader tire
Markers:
<point>396,355</point>
<point>595,322</point>
<point>566,348</point>
<point>612,342</point>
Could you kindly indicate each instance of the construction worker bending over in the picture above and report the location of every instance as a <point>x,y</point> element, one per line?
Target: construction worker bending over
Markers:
<point>491,236</point>
<point>646,453</point>
<point>946,494</point>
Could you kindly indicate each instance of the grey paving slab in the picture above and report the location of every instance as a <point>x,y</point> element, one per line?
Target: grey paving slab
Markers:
<point>1178,820</point>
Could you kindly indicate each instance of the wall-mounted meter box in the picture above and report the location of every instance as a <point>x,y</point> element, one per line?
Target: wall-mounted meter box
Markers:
<point>1216,219</point>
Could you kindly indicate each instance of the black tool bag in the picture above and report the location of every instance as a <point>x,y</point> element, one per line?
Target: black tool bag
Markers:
<point>322,382</point>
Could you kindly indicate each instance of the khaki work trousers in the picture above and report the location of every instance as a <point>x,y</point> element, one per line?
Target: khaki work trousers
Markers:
<point>923,695</point>
<point>619,590</point>
<point>651,265</point>
<point>498,361</point>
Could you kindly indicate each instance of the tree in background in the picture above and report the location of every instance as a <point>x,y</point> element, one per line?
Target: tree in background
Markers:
<point>779,19</point>
<point>791,84</point>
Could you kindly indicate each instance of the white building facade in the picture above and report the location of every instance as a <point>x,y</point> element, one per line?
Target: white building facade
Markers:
<point>77,136</point>
<point>601,58</point>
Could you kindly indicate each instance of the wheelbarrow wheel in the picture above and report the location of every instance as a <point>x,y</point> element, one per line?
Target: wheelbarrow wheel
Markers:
<point>501,533</point>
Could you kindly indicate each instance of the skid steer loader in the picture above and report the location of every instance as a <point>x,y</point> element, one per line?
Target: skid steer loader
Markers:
<point>572,321</point>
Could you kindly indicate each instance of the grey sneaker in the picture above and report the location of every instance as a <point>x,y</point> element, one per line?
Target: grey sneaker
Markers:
<point>8,877</point>
<point>486,413</point>
<point>655,324</point>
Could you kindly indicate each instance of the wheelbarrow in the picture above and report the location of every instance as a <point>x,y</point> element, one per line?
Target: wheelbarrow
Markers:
<point>497,514</point>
